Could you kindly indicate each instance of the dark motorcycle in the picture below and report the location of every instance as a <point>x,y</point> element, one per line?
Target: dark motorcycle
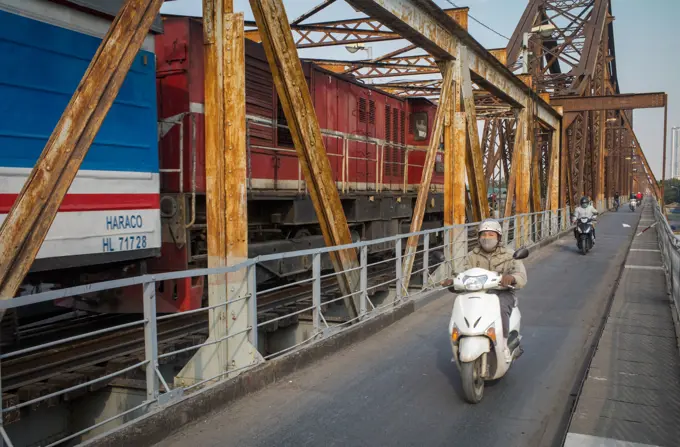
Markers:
<point>584,234</point>
<point>616,205</point>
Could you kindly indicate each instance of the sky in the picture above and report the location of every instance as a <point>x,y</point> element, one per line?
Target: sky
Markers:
<point>646,52</point>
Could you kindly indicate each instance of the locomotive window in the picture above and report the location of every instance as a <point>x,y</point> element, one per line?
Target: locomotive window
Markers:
<point>419,128</point>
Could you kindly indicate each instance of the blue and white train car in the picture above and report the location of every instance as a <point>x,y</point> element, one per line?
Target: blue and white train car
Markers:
<point>111,212</point>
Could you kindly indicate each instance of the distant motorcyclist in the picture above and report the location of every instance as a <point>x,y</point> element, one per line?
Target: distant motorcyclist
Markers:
<point>639,196</point>
<point>585,210</point>
<point>616,198</point>
<point>493,256</point>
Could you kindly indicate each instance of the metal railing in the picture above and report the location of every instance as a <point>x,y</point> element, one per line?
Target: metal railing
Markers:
<point>253,312</point>
<point>669,244</point>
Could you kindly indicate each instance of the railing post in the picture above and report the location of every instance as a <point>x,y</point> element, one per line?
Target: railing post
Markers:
<point>150,341</point>
<point>426,258</point>
<point>449,255</point>
<point>397,250</point>
<point>364,281</point>
<point>316,290</point>
<point>506,230</point>
<point>252,304</point>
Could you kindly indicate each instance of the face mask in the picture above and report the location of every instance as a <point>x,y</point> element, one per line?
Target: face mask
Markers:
<point>584,205</point>
<point>488,244</point>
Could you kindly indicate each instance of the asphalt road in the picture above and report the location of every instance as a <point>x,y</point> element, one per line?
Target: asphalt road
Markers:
<point>399,388</point>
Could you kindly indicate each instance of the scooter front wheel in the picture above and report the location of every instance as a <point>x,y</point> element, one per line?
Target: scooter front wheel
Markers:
<point>473,383</point>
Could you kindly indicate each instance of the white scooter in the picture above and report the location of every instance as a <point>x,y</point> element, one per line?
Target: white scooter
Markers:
<point>476,330</point>
<point>633,204</point>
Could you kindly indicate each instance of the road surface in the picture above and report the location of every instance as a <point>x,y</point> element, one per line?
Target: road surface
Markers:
<point>399,388</point>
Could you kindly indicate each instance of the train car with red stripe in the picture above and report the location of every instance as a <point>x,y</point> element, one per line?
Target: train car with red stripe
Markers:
<point>138,203</point>
<point>109,221</point>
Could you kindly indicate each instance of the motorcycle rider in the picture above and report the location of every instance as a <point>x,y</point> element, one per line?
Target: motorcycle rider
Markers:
<point>493,256</point>
<point>585,210</point>
<point>616,198</point>
<point>639,197</point>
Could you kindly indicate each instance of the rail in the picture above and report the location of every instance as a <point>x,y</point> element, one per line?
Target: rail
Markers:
<point>669,244</point>
<point>158,338</point>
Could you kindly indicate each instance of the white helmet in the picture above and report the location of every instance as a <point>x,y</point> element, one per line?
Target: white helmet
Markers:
<point>491,225</point>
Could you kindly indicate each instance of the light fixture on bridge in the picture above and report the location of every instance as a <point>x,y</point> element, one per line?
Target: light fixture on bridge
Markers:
<point>544,32</point>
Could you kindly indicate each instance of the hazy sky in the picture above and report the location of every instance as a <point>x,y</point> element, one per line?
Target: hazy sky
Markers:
<point>645,48</point>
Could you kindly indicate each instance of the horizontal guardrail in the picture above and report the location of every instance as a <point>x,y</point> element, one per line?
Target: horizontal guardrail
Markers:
<point>669,244</point>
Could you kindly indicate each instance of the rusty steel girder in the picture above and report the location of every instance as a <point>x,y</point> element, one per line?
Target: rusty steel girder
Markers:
<point>344,32</point>
<point>610,102</point>
<point>422,23</point>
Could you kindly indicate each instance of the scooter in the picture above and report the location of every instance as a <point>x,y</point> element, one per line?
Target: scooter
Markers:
<point>476,330</point>
<point>633,204</point>
<point>584,234</point>
<point>616,205</point>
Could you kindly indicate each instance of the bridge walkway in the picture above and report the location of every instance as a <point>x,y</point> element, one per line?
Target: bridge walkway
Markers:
<point>632,392</point>
<point>400,388</point>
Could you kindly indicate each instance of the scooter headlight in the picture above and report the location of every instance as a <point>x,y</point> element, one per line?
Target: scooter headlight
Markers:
<point>474,283</point>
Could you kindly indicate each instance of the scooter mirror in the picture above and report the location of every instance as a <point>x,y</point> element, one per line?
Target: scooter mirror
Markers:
<point>522,253</point>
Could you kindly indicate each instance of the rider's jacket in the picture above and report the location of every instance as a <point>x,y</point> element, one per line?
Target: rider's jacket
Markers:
<point>499,261</point>
<point>588,212</point>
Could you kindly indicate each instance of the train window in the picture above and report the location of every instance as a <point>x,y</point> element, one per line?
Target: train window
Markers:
<point>419,126</point>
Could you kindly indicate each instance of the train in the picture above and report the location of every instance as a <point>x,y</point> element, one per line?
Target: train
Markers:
<point>138,203</point>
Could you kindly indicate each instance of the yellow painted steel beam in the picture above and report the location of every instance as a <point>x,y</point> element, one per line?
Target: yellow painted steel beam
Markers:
<point>428,169</point>
<point>476,178</point>
<point>298,108</point>
<point>227,214</point>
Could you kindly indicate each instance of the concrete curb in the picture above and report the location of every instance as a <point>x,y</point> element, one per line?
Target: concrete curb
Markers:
<point>160,423</point>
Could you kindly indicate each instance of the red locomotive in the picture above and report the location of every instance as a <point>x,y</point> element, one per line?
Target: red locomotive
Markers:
<point>375,142</point>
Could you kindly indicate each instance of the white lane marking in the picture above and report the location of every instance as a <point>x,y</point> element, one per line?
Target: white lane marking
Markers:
<point>645,249</point>
<point>644,267</point>
<point>581,440</point>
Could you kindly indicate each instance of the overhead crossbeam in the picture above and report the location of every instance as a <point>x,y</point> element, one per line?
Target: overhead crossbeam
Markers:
<point>423,23</point>
<point>610,102</point>
<point>344,32</point>
<point>374,69</point>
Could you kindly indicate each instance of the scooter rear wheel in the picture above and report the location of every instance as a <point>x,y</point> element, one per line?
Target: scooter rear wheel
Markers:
<point>473,383</point>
